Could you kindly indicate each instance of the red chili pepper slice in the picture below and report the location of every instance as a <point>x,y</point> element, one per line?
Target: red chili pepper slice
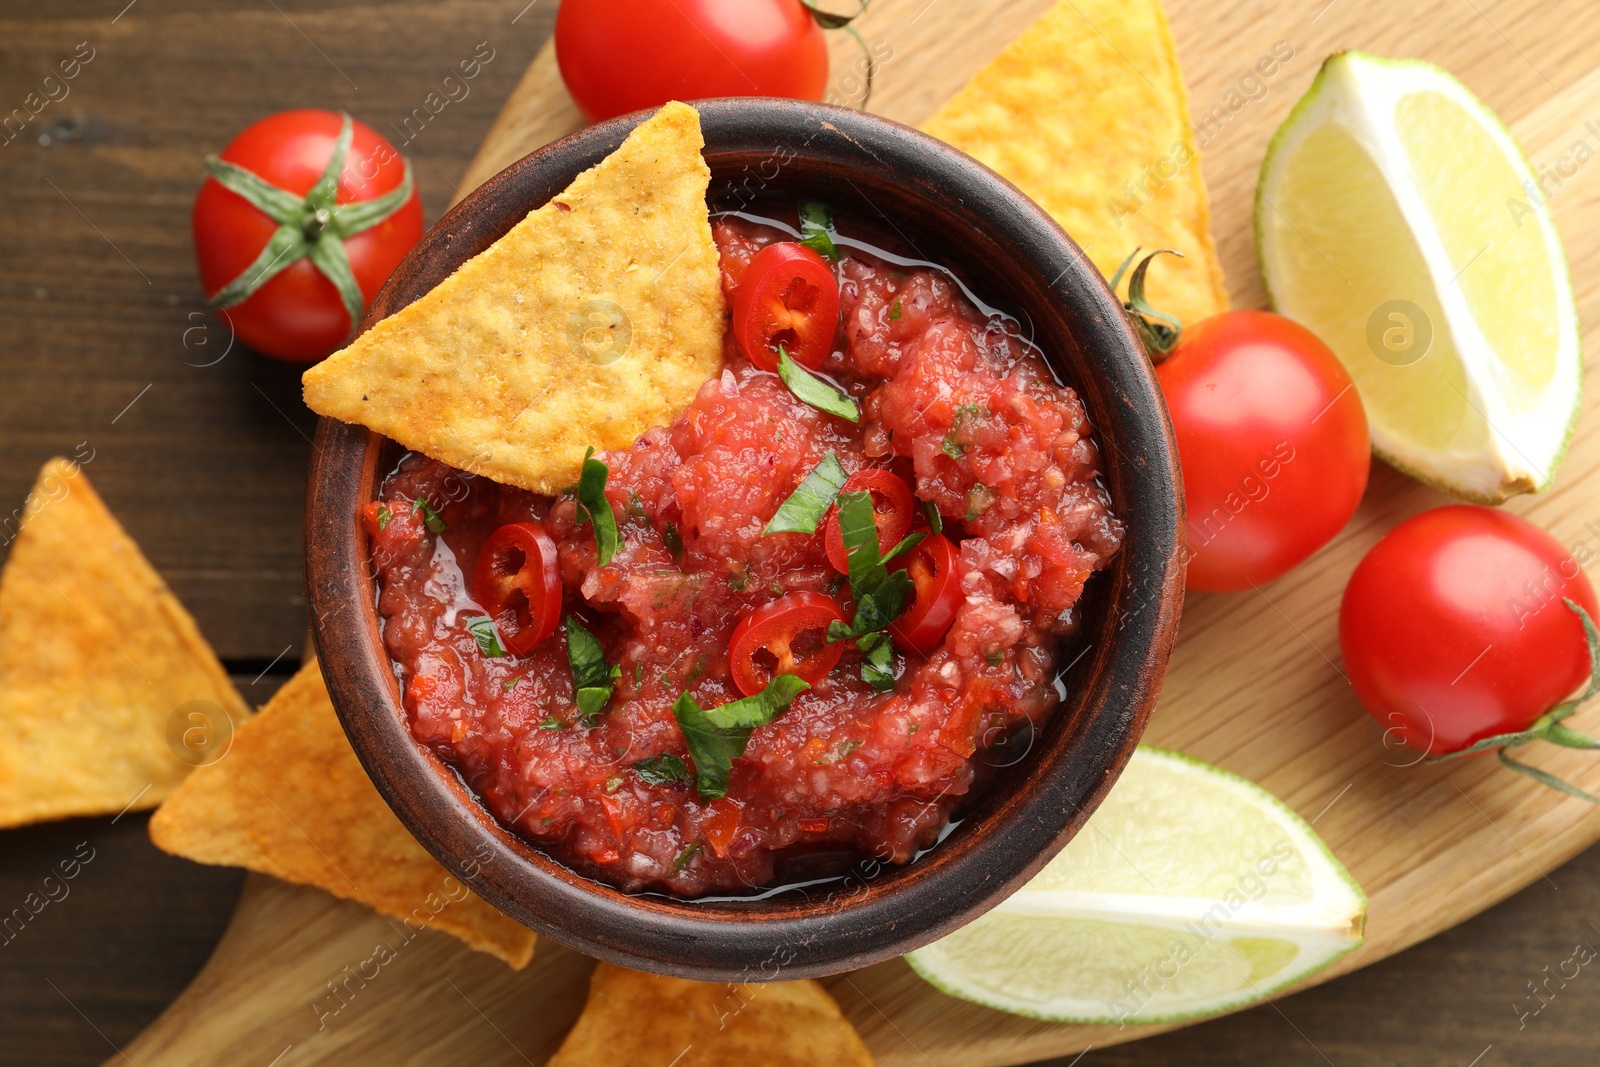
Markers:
<point>517,580</point>
<point>893,507</point>
<point>787,636</point>
<point>789,298</point>
<point>936,575</point>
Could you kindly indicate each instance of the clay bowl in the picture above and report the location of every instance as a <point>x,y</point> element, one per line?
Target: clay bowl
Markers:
<point>954,211</point>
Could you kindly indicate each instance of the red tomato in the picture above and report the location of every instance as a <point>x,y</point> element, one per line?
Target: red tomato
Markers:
<point>788,296</point>
<point>298,314</point>
<point>1453,627</point>
<point>787,636</point>
<point>893,506</point>
<point>937,577</point>
<point>518,581</point>
<point>1273,442</point>
<point>618,56</point>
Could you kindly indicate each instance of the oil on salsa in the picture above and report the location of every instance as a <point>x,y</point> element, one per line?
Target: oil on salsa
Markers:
<point>578,659</point>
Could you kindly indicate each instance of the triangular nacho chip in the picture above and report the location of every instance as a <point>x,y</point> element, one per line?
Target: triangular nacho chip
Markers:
<point>643,1018</point>
<point>291,800</point>
<point>1086,113</point>
<point>595,318</point>
<point>96,658</point>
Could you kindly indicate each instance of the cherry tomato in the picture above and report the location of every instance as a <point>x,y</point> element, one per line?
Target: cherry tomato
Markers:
<point>893,507</point>
<point>937,577</point>
<point>788,297</point>
<point>1453,628</point>
<point>787,636</point>
<point>1273,442</point>
<point>298,314</point>
<point>618,56</point>
<point>518,581</point>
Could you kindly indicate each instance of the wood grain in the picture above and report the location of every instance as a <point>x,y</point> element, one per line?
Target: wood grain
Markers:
<point>1255,686</point>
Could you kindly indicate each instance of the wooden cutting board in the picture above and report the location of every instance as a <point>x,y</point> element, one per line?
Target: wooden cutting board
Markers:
<point>1256,683</point>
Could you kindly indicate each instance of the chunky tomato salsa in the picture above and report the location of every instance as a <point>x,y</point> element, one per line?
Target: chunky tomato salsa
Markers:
<point>788,623</point>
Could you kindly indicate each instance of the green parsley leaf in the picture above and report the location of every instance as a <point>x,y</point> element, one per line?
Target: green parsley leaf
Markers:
<point>877,665</point>
<point>385,517</point>
<point>894,311</point>
<point>812,390</point>
<point>613,784</point>
<point>951,447</point>
<point>594,507</point>
<point>593,679</point>
<point>810,500</point>
<point>718,736</point>
<point>880,594</point>
<point>510,683</point>
<point>816,230</point>
<point>935,520</point>
<point>673,540</point>
<point>690,851</point>
<point>482,629</point>
<point>960,436</point>
<point>435,522</point>
<point>659,770</point>
<point>551,723</point>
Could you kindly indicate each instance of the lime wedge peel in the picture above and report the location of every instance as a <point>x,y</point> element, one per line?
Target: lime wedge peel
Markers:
<point>1190,892</point>
<point>1392,190</point>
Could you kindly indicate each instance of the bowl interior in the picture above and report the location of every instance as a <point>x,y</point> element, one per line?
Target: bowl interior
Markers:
<point>949,210</point>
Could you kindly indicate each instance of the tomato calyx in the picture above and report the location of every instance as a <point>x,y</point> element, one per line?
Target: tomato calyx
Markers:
<point>830,21</point>
<point>1158,331</point>
<point>313,226</point>
<point>1548,727</point>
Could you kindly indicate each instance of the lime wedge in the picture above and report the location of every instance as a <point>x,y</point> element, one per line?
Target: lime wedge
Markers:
<point>1398,220</point>
<point>1190,891</point>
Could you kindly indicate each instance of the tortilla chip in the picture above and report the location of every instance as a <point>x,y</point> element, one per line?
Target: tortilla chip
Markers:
<point>96,658</point>
<point>595,318</point>
<point>291,800</point>
<point>1086,113</point>
<point>643,1018</point>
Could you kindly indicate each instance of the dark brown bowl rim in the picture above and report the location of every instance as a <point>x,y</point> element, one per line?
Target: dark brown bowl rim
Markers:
<point>880,912</point>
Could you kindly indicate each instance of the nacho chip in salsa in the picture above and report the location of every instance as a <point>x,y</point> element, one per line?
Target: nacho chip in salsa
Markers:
<point>596,317</point>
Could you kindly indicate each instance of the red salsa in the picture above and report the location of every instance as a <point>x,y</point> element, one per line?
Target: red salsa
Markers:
<point>961,425</point>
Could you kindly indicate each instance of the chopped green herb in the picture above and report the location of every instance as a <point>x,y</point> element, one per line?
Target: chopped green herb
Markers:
<point>637,515</point>
<point>435,522</point>
<point>613,784</point>
<point>638,673</point>
<point>551,723</point>
<point>593,679</point>
<point>816,230</point>
<point>511,682</point>
<point>717,736</point>
<point>690,851</point>
<point>594,507</point>
<point>994,658</point>
<point>847,748</point>
<point>482,629</point>
<point>385,517</point>
<point>877,664</point>
<point>894,310</point>
<point>880,594</point>
<point>980,498</point>
<point>810,500</point>
<point>935,520</point>
<point>660,770</point>
<point>816,392</point>
<point>740,580</point>
<point>960,436</point>
<point>673,540</point>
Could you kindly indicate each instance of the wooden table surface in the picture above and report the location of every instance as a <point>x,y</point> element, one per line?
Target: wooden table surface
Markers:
<point>201,451</point>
